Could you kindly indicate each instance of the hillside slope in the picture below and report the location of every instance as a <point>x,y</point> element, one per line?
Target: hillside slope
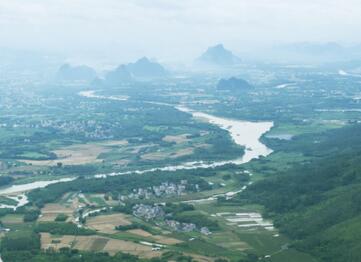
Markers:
<point>318,204</point>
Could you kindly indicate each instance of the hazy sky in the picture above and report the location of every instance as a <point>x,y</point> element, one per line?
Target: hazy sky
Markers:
<point>127,29</point>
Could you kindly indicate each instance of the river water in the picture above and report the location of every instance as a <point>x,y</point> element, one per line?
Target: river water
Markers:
<point>27,187</point>
<point>16,192</point>
<point>243,133</point>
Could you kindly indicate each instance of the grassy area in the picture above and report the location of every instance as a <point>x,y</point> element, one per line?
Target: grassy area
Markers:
<point>298,129</point>
<point>275,163</point>
<point>12,219</point>
<point>97,199</point>
<point>7,201</point>
<point>296,256</point>
<point>260,242</point>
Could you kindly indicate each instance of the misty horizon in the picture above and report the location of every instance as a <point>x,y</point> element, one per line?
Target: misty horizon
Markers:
<point>172,31</point>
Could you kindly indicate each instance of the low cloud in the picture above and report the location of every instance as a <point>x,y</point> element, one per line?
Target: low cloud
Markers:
<point>172,28</point>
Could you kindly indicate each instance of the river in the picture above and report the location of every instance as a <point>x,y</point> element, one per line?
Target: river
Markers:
<point>16,192</point>
<point>243,133</point>
<point>30,186</point>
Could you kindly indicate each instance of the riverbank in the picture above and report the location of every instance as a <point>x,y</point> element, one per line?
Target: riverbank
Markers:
<point>243,133</point>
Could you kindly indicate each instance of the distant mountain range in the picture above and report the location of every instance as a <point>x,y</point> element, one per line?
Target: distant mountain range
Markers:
<point>233,84</point>
<point>76,73</point>
<point>314,48</point>
<point>145,68</point>
<point>118,75</point>
<point>314,52</point>
<point>142,69</point>
<point>218,56</point>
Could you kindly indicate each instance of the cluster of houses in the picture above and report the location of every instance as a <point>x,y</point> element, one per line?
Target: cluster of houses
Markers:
<point>185,227</point>
<point>148,212</point>
<point>88,128</point>
<point>166,189</point>
<point>180,227</point>
<point>156,212</point>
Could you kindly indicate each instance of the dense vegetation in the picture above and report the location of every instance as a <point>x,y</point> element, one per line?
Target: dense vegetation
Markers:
<point>31,215</point>
<point>197,218</point>
<point>5,180</point>
<point>20,240</point>
<point>61,218</point>
<point>132,226</point>
<point>77,120</point>
<point>61,228</point>
<point>114,185</point>
<point>67,255</point>
<point>186,213</point>
<point>318,204</point>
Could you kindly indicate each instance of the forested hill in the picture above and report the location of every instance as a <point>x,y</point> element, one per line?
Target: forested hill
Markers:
<point>318,204</point>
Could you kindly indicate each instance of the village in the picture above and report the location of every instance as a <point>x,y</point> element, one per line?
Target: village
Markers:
<point>165,189</point>
<point>156,212</point>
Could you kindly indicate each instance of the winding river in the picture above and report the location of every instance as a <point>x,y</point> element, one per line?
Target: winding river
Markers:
<point>243,133</point>
<point>14,189</point>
